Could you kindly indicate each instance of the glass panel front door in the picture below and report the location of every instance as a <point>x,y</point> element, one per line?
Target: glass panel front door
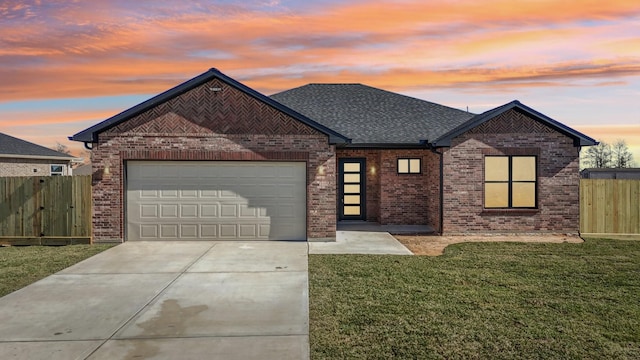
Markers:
<point>351,176</point>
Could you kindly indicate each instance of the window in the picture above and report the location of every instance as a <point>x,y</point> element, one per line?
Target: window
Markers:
<point>409,166</point>
<point>510,182</point>
<point>57,170</point>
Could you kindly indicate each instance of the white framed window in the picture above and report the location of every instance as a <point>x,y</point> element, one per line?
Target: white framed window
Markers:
<point>409,166</point>
<point>57,170</point>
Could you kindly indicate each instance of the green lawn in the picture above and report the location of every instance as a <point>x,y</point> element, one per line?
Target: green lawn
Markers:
<point>22,265</point>
<point>479,301</point>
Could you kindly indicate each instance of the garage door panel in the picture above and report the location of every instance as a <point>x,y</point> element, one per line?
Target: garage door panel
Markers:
<point>227,231</point>
<point>169,211</point>
<point>216,200</point>
<point>209,231</point>
<point>149,194</point>
<point>189,231</point>
<point>208,211</point>
<point>228,211</point>
<point>208,194</point>
<point>248,212</point>
<point>189,194</point>
<point>148,231</point>
<point>248,230</point>
<point>148,211</point>
<point>227,194</point>
<point>188,211</point>
<point>169,231</point>
<point>169,192</point>
<point>285,212</point>
<point>264,230</point>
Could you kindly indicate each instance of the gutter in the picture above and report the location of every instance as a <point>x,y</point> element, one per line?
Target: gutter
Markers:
<point>386,146</point>
<point>39,157</point>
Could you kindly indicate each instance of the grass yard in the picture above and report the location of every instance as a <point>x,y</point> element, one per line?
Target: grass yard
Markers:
<point>479,301</point>
<point>23,265</point>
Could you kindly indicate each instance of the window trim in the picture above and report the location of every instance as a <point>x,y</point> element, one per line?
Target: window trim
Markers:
<point>409,172</point>
<point>510,183</point>
<point>56,173</point>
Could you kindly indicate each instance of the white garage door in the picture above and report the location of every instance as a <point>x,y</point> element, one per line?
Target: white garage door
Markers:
<point>221,200</point>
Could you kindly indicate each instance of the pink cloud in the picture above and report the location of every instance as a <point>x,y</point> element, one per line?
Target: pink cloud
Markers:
<point>104,49</point>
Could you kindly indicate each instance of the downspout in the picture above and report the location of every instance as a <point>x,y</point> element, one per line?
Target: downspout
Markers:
<point>441,200</point>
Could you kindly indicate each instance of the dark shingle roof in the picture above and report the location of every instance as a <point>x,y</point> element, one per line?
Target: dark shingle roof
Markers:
<point>369,115</point>
<point>10,145</point>
<point>91,134</point>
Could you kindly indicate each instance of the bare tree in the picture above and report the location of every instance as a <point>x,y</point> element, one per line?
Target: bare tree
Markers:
<point>62,148</point>
<point>621,157</point>
<point>598,156</point>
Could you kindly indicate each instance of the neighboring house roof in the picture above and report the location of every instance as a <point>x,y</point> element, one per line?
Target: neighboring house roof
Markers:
<point>579,138</point>
<point>12,147</point>
<point>85,169</point>
<point>371,116</point>
<point>91,134</point>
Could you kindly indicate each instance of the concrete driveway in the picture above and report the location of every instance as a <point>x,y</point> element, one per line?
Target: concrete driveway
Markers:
<point>166,300</point>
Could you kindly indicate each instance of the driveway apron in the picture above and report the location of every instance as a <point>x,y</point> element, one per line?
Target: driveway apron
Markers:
<point>166,300</point>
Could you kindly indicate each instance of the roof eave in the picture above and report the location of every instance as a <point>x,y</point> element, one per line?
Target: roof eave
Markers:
<point>418,145</point>
<point>38,157</point>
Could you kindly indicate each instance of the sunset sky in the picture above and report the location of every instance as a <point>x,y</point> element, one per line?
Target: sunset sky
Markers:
<point>66,65</point>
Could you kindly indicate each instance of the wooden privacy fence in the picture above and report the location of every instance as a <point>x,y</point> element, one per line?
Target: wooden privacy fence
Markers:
<point>609,207</point>
<point>57,209</point>
<point>47,210</point>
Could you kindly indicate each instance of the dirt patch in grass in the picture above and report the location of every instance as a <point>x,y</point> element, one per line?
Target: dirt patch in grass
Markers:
<point>432,245</point>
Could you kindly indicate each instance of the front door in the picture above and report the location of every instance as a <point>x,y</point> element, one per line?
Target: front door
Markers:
<point>352,189</point>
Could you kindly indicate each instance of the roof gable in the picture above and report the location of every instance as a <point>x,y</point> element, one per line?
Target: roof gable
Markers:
<point>579,138</point>
<point>17,148</point>
<point>91,134</point>
<point>200,111</point>
<point>371,116</point>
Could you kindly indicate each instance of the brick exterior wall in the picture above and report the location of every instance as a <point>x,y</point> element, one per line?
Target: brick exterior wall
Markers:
<point>205,125</point>
<point>399,199</point>
<point>511,133</point>
<point>404,198</point>
<point>432,189</point>
<point>26,167</point>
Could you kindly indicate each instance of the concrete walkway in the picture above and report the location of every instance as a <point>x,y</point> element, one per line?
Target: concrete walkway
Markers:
<point>166,300</point>
<point>360,242</point>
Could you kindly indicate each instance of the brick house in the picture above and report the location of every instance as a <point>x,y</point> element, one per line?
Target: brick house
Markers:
<point>214,159</point>
<point>22,158</point>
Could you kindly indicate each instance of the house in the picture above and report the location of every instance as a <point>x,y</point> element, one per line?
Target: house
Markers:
<point>84,169</point>
<point>22,158</point>
<point>607,173</point>
<point>215,159</point>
